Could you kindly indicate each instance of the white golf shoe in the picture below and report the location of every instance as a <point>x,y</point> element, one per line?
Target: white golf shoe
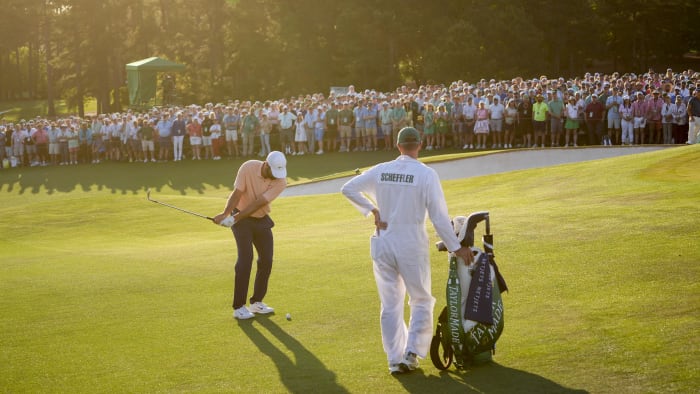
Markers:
<point>409,362</point>
<point>261,308</point>
<point>395,369</point>
<point>243,313</point>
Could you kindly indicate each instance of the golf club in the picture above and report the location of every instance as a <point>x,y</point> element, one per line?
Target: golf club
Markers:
<point>148,197</point>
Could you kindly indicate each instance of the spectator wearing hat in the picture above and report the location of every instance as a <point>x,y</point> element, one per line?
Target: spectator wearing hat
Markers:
<point>571,124</point>
<point>359,113</point>
<point>250,125</point>
<point>345,121</point>
<point>99,147</point>
<point>265,130</point>
<point>287,137</point>
<point>63,137</point>
<point>300,136</point>
<point>73,145</point>
<point>216,134</point>
<point>194,132</point>
<point>511,119</point>
<point>111,133</point>
<point>399,119</point>
<point>626,121</point>
<point>680,121</point>
<point>230,121</point>
<point>273,115</point>
<point>19,135</point>
<point>540,109</point>
<point>654,108</point>
<point>593,116</point>
<point>667,111</point>
<point>481,126</point>
<point>429,126</point>
<point>556,116</point>
<point>178,130</point>
<point>309,125</point>
<point>496,122</point>
<point>319,117</point>
<point>612,104</point>
<point>133,144</point>
<point>30,144</point>
<point>85,137</point>
<point>370,127</point>
<point>207,122</point>
<point>123,124</point>
<point>457,121</point>
<point>639,111</point>
<point>442,125</point>
<point>147,134</point>
<point>469,116</point>
<point>163,129</point>
<point>385,121</point>
<point>332,122</point>
<point>523,126</point>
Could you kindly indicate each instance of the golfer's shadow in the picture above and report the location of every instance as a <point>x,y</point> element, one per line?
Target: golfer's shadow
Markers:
<point>294,373</point>
<point>489,378</point>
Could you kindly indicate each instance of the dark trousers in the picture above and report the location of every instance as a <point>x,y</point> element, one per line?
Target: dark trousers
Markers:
<point>249,233</point>
<point>595,131</point>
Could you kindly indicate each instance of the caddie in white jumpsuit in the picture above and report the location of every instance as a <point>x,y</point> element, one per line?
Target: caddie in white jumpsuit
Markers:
<point>399,193</point>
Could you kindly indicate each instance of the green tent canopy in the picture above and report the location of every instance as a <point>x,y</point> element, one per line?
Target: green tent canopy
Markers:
<point>141,78</point>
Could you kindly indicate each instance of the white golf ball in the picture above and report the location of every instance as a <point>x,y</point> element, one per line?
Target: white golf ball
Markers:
<point>289,316</point>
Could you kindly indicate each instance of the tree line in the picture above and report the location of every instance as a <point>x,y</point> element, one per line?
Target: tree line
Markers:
<point>259,49</point>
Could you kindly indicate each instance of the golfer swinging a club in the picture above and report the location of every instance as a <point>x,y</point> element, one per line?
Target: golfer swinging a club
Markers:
<point>404,190</point>
<point>257,184</point>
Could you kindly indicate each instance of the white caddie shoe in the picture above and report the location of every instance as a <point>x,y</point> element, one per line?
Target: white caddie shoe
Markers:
<point>409,362</point>
<point>243,313</point>
<point>261,308</point>
<point>395,369</point>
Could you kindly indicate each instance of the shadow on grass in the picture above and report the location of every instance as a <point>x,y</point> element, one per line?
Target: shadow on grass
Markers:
<point>301,374</point>
<point>488,378</point>
<point>184,177</point>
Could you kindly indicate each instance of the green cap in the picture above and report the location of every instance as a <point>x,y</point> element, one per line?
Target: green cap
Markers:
<point>408,135</point>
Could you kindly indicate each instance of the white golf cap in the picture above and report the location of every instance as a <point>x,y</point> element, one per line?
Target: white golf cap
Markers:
<point>278,164</point>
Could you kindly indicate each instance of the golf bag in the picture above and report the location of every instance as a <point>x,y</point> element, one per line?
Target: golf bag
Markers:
<point>472,321</point>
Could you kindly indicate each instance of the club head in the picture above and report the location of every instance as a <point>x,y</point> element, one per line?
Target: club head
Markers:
<point>148,194</point>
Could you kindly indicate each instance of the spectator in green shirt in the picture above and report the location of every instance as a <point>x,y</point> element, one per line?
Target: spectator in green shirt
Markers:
<point>539,118</point>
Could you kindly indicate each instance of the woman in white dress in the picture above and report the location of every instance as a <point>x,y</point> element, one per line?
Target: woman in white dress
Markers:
<point>300,136</point>
<point>481,127</point>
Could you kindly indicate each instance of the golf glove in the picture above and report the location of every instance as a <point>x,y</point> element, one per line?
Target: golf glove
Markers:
<point>228,222</point>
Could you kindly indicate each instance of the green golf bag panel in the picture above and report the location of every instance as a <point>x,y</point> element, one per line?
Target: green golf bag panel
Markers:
<point>453,317</point>
<point>468,338</point>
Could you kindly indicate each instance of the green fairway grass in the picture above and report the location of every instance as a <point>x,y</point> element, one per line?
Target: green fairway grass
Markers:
<point>103,291</point>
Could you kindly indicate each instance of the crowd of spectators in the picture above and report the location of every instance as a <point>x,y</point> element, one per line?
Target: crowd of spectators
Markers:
<point>594,109</point>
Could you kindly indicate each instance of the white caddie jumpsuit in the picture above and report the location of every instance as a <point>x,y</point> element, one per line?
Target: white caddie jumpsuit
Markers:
<point>404,190</point>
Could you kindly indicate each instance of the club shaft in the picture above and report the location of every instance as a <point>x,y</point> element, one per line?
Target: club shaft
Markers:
<point>179,209</point>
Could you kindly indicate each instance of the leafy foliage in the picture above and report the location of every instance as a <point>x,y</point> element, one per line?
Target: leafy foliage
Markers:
<point>260,49</point>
